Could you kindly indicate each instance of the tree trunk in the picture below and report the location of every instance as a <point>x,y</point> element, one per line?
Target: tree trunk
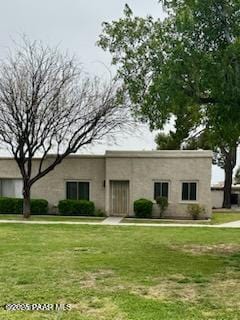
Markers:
<point>227,190</point>
<point>230,163</point>
<point>26,202</point>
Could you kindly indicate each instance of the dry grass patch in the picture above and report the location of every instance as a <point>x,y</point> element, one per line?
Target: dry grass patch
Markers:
<point>165,289</point>
<point>169,290</point>
<point>102,309</point>
<point>93,279</point>
<point>225,292</point>
<point>225,249</point>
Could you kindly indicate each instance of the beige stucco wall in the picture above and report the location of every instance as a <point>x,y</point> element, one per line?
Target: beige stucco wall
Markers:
<point>141,169</point>
<point>52,187</point>
<point>175,167</point>
<point>217,198</point>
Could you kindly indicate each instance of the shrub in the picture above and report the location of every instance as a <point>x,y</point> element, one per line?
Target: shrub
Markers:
<point>143,208</point>
<point>195,211</point>
<point>18,205</point>
<point>15,205</point>
<point>39,206</point>
<point>76,207</point>
<point>99,213</point>
<point>163,204</point>
<point>66,207</point>
<point>9,205</point>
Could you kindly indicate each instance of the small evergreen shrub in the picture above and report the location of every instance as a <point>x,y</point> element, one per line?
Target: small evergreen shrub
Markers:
<point>163,204</point>
<point>99,213</point>
<point>18,205</point>
<point>143,208</point>
<point>76,207</point>
<point>15,206</point>
<point>39,206</point>
<point>196,211</point>
<point>66,207</point>
<point>9,205</point>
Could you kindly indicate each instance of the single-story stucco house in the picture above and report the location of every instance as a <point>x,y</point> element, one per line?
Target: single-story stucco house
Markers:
<point>113,181</point>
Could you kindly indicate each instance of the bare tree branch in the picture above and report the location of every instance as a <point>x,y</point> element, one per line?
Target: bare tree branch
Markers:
<point>48,105</point>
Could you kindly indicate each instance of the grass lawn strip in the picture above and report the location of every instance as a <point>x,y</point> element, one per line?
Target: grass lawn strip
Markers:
<point>121,273</point>
<point>51,218</point>
<point>217,218</point>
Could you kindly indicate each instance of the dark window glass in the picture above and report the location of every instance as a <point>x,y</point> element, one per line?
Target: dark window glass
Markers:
<point>72,190</point>
<point>78,190</point>
<point>189,191</point>
<point>165,189</point>
<point>193,191</point>
<point>157,190</point>
<point>160,189</point>
<point>185,191</point>
<point>83,190</point>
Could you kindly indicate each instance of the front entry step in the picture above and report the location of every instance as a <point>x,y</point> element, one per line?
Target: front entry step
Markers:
<point>112,220</point>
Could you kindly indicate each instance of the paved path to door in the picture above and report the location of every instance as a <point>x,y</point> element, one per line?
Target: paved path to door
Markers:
<point>115,221</point>
<point>112,220</point>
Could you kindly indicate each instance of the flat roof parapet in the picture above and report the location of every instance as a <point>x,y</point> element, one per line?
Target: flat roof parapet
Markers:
<point>160,154</point>
<point>135,154</point>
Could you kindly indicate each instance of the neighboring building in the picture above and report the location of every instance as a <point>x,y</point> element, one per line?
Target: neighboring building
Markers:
<point>114,180</point>
<point>217,195</point>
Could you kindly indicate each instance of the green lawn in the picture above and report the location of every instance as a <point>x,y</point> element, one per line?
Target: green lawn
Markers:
<point>224,217</point>
<point>217,218</point>
<point>51,218</point>
<point>124,273</point>
<point>161,221</point>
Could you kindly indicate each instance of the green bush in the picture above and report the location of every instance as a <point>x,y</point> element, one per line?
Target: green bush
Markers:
<point>163,204</point>
<point>18,205</point>
<point>39,206</point>
<point>99,213</point>
<point>9,205</point>
<point>76,207</point>
<point>196,211</point>
<point>15,206</point>
<point>143,208</point>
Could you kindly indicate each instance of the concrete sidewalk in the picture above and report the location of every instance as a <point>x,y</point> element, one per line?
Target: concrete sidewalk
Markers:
<point>233,224</point>
<point>114,221</point>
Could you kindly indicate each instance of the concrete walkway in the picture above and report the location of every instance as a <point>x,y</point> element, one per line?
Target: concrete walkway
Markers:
<point>114,221</point>
<point>233,224</point>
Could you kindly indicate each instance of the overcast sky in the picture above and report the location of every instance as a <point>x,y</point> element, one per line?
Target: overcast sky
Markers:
<point>74,25</point>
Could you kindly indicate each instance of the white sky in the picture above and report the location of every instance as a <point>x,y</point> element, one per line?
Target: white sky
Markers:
<point>74,25</point>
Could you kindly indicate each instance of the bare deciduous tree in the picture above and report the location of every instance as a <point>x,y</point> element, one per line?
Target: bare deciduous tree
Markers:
<point>49,106</point>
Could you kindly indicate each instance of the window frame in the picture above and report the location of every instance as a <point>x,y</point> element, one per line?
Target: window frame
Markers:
<point>77,181</point>
<point>12,180</point>
<point>197,190</point>
<point>169,188</point>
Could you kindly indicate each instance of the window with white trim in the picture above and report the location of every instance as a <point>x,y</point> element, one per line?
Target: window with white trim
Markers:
<point>77,190</point>
<point>11,188</point>
<point>189,191</point>
<point>161,189</point>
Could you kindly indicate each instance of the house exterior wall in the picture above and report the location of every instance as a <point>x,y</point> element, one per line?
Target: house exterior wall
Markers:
<point>52,187</point>
<point>217,198</point>
<point>217,194</point>
<point>141,169</point>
